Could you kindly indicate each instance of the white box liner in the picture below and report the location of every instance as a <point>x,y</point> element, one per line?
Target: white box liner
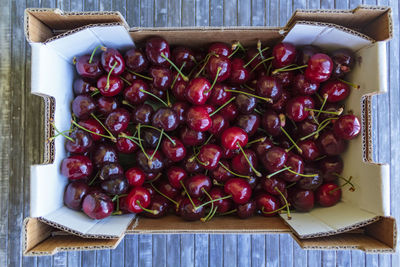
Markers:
<point>53,74</point>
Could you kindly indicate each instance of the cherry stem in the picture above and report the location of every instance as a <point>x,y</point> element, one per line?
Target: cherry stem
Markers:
<point>108,76</point>
<point>291,185</point>
<point>60,133</point>
<point>89,131</point>
<point>348,181</point>
<point>187,193</point>
<point>355,86</point>
<point>319,158</point>
<point>158,191</point>
<point>251,60</point>
<point>275,173</point>
<point>74,60</point>
<point>204,65</point>
<point>222,106</point>
<point>269,100</point>
<point>340,110</point>
<point>175,67</point>
<point>262,62</point>
<point>158,144</point>
<point>212,200</point>
<point>236,47</point>
<point>269,68</point>
<point>291,140</point>
<point>156,97</point>
<point>94,51</point>
<point>286,203</point>
<point>260,53</point>
<point>140,142</point>
<point>262,139</point>
<point>198,152</point>
<point>155,178</point>
<point>213,214</point>
<point>161,131</point>
<point>212,205</point>
<point>132,138</point>
<point>215,182</point>
<point>320,128</point>
<point>231,172</point>
<point>273,211</point>
<point>125,80</point>
<point>300,174</point>
<point>176,76</point>
<point>248,87</point>
<point>257,111</point>
<point>116,197</point>
<point>168,100</point>
<point>214,82</point>
<point>228,212</point>
<point>140,75</point>
<point>154,212</point>
<point>127,103</point>
<point>248,161</point>
<point>323,105</point>
<point>94,178</point>
<point>287,68</point>
<point>105,128</point>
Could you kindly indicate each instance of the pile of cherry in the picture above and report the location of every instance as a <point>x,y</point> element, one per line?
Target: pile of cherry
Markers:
<point>204,133</point>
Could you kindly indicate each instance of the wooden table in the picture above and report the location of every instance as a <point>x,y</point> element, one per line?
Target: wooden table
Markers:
<point>21,131</point>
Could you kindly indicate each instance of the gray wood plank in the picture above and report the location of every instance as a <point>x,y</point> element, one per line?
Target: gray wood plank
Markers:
<point>244,13</point>
<point>41,261</point>
<point>272,250</point>
<point>74,258</point>
<point>173,250</point>
<point>341,4</point>
<point>120,5</point>
<point>257,13</point>
<point>371,260</point>
<point>273,12</point>
<point>314,258</point>
<point>299,255</point>
<point>88,258</point>
<point>145,250</point>
<point>146,13</point>
<point>230,13</point>
<point>188,17</point>
<point>354,3</point>
<point>117,256</point>
<point>174,13</point>
<point>343,258</point>
<point>202,13</point>
<point>105,5</point>
<point>258,250</point>
<point>91,5</point>
<point>216,249</point>
<point>244,250</point>
<point>133,13</point>
<point>286,247</point>
<point>131,245</point>
<point>357,258</point>
<point>328,258</point>
<point>230,250</point>
<point>217,13</point>
<point>60,259</point>
<point>103,257</point>
<point>159,250</point>
<point>201,250</point>
<point>161,12</point>
<point>187,250</point>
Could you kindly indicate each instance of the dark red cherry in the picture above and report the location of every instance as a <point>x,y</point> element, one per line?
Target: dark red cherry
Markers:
<point>155,48</point>
<point>90,70</point>
<point>180,109</point>
<point>110,171</point>
<point>336,91</point>
<point>262,147</point>
<point>81,87</point>
<point>302,200</point>
<point>196,185</point>
<point>150,137</point>
<point>280,104</point>
<point>112,57</point>
<point>162,77</point>
<point>271,123</point>
<point>221,63</point>
<point>125,145</point>
<point>197,91</point>
<point>285,78</point>
<point>209,156</point>
<point>157,92</point>
<point>137,198</point>
<point>296,164</point>
<point>135,176</point>
<point>190,137</point>
<point>179,90</point>
<point>142,114</point>
<point>94,126</point>
<point>310,183</point>
<point>222,205</point>
<point>328,194</point>
<point>134,93</point>
<point>219,95</point>
<point>239,74</point>
<point>188,212</point>
<point>267,204</point>
<point>104,153</point>
<point>306,127</point>
<point>343,61</point>
<point>81,144</point>
<point>331,167</point>
<point>269,87</point>
<point>274,159</point>
<point>197,119</point>
<point>218,124</point>
<point>181,55</point>
<point>246,210</point>
<point>249,123</point>
<point>128,76</point>
<point>330,144</point>
<point>175,152</point>
<point>151,177</point>
<point>105,104</point>
<point>270,185</point>
<point>245,103</point>
<point>175,175</point>
<point>165,118</point>
<point>232,136</point>
<point>97,205</point>
<point>117,121</point>
<point>114,86</point>
<point>167,189</point>
<point>254,55</point>
<point>220,49</point>
<point>301,86</point>
<point>220,174</point>
<point>83,106</point>
<point>229,153</point>
<point>319,68</point>
<point>239,189</point>
<point>159,205</point>
<point>347,127</point>
<point>310,150</point>
<point>74,194</point>
<point>240,164</point>
<point>191,165</point>
<point>76,167</point>
<point>229,112</point>
<point>136,60</point>
<point>296,108</point>
<point>154,165</point>
<point>305,53</point>
<point>284,54</point>
<point>115,186</point>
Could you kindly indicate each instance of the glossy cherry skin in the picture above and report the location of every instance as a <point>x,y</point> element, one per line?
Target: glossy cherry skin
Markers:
<point>216,62</point>
<point>83,106</point>
<point>302,200</point>
<point>336,91</point>
<point>197,119</point>
<point>165,118</point>
<point>190,137</point>
<point>136,60</point>
<point>179,90</point>
<point>104,153</point>
<point>284,54</point>
<point>76,167</point>
<point>271,123</point>
<point>269,87</point>
<point>105,104</point>
<point>159,204</point>
<point>135,176</point>
<point>150,137</point>
<point>191,165</point>
<point>138,194</point>
<point>305,53</point>
<point>267,204</point>
<point>196,184</point>
<point>229,112</point>
<point>81,144</point>
<point>115,186</point>
<point>240,164</point>
<point>262,147</point>
<point>328,194</point>
<point>142,114</point>
<point>168,190</point>
<point>220,174</point>
<point>125,145</point>
<point>296,108</point>
<point>274,159</point>
<point>306,127</point>
<point>180,109</point>
<point>134,93</point>
<point>270,185</point>
<point>155,165</point>
<point>218,124</point>
<point>130,77</point>
<point>173,152</point>
<point>234,137</point>
<point>210,155</point>
<point>301,86</point>
<point>285,78</point>
<point>81,87</point>
<point>310,183</point>
<point>110,171</point>
<point>85,69</point>
<point>181,55</point>
<point>239,189</point>
<point>310,150</point>
<point>155,48</point>
<point>245,104</point>
<point>97,205</point>
<point>109,58</point>
<point>222,205</point>
<point>117,121</point>
<point>115,86</point>
<point>330,166</point>
<point>280,104</point>
<point>175,175</point>
<point>74,194</point>
<point>246,210</point>
<point>162,77</point>
<point>188,212</point>
<point>249,123</point>
<point>220,49</point>
<point>330,144</point>
<point>319,68</point>
<point>239,74</point>
<point>347,127</point>
<point>197,91</point>
<point>297,164</point>
<point>219,95</point>
<point>343,61</point>
<point>254,53</point>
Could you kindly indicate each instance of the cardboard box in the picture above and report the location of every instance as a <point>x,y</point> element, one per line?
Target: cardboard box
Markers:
<point>360,221</point>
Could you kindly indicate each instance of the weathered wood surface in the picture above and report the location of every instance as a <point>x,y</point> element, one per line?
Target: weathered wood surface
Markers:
<point>21,129</point>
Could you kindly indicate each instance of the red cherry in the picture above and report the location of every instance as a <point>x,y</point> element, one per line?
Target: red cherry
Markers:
<point>305,53</point>
<point>239,74</point>
<point>83,106</point>
<point>239,189</point>
<point>232,136</point>
<point>240,164</point>
<point>302,200</point>
<point>117,121</point>
<point>249,123</point>
<point>296,163</point>
<point>135,176</point>
<point>221,63</point>
<point>142,114</point>
<point>267,204</point>
<point>218,124</point>
<point>112,59</point>
<point>219,95</point>
<point>76,167</point>
<point>97,205</point>
<point>269,87</point>
<point>81,87</point>
<point>328,194</point>
<point>274,159</point>
<point>280,104</point>
<point>269,185</point>
<point>134,93</point>
<point>162,77</point>
<point>125,145</point>
<point>246,210</point>
<point>301,86</point>
<point>74,194</point>
<point>284,54</point>
<point>220,174</point>
<point>196,185</point>
<point>175,152</point>
<point>158,204</point>
<point>167,189</point>
<point>190,137</point>
<point>105,105</point>
<point>197,91</point>
<point>112,88</point>
<point>138,198</point>
<point>229,112</point>
<point>319,68</point>
<point>296,108</point>
<point>262,147</point>
<point>179,90</point>
<point>188,212</point>
<point>81,144</point>
<point>336,91</point>
<point>310,150</point>
<point>175,175</point>
<point>155,48</point>
<point>197,119</point>
<point>180,109</point>
<point>330,166</point>
<point>330,144</point>
<point>90,70</point>
<point>210,156</point>
<point>347,127</point>
<point>220,49</point>
<point>271,122</point>
<point>136,60</point>
<point>222,205</point>
<point>183,55</point>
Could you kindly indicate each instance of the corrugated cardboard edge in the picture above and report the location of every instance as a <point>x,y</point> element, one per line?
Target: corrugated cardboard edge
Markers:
<point>49,109</point>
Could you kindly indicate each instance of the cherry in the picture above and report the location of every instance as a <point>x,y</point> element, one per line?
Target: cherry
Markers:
<point>274,159</point>
<point>284,54</point>
<point>167,190</point>
<point>192,166</point>
<point>110,171</point>
<point>165,118</point>
<point>179,90</point>
<point>245,103</point>
<point>160,94</point>
<point>190,213</point>
<point>128,77</point>
<point>336,91</point>
<point>310,150</point>
<point>83,106</point>
<point>76,167</point>
<point>81,143</point>
<point>219,49</point>
<point>269,185</point>
<point>110,85</point>
<point>330,144</point>
<point>180,109</point>
<point>229,112</point>
<point>269,87</point>
<point>254,59</point>
<point>191,137</point>
<point>305,53</point>
<point>284,77</point>
<point>280,104</point>
<point>249,123</point>
<point>209,156</point>
<point>347,127</point>
<point>126,145</point>
<point>136,60</point>
<point>239,74</point>
<point>81,87</point>
<point>142,114</point>
<point>104,153</point>
<point>183,55</point>
<point>233,138</point>
<point>331,167</point>
<point>198,91</point>
<point>310,183</point>
<point>117,121</point>
<point>105,105</point>
<point>156,164</point>
<point>222,205</point>
<point>328,194</point>
<point>74,194</point>
<point>162,77</point>
<point>229,153</point>
<point>155,48</point>
<point>218,125</point>
<point>150,137</point>
<point>196,185</point>
<point>220,174</point>
<point>134,93</point>
<point>306,127</point>
<point>241,165</point>
<point>219,67</point>
<point>301,86</point>
<point>319,68</point>
<point>112,59</point>
<point>296,164</point>
<point>332,109</point>
<point>267,204</point>
<point>97,205</point>
<point>175,175</point>
<point>115,186</point>
<point>262,147</point>
<point>159,205</point>
<point>198,119</point>
<point>88,69</point>
<point>246,210</point>
<point>272,123</point>
<point>174,151</point>
<point>302,200</point>
<point>135,176</point>
<point>343,61</point>
<point>239,189</point>
<point>137,199</point>
<point>219,95</point>
<point>93,126</point>
<point>296,108</point>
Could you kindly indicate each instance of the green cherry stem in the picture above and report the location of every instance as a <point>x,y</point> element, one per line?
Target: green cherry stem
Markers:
<point>291,140</point>
<point>158,191</point>
<point>273,211</point>
<point>213,213</point>
<point>347,181</point>
<point>322,106</point>
<point>286,203</point>
<point>269,100</point>
<point>158,144</point>
<point>140,75</point>
<point>251,60</point>
<point>262,139</point>
<point>140,141</point>
<point>94,51</point>
<point>124,102</point>
<point>154,212</point>
<point>340,111</point>
<point>290,185</point>
<point>105,128</point>
<point>228,212</point>
<point>212,199</point>
<point>262,62</point>
<point>231,172</point>
<point>204,65</point>
<point>320,128</point>
<point>187,193</point>
<point>125,80</point>
<point>300,174</point>
<point>108,76</point>
<point>94,178</point>
<point>222,106</point>
<point>184,77</point>
<point>355,86</point>
<point>60,133</point>
<point>116,197</point>
<point>214,82</point>
<point>248,87</point>
<point>248,161</point>
<point>287,68</point>
<point>89,131</point>
<point>161,131</point>
<point>176,76</point>
<point>197,153</point>
<point>153,95</point>
<point>212,205</point>
<point>275,173</point>
<point>260,53</point>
